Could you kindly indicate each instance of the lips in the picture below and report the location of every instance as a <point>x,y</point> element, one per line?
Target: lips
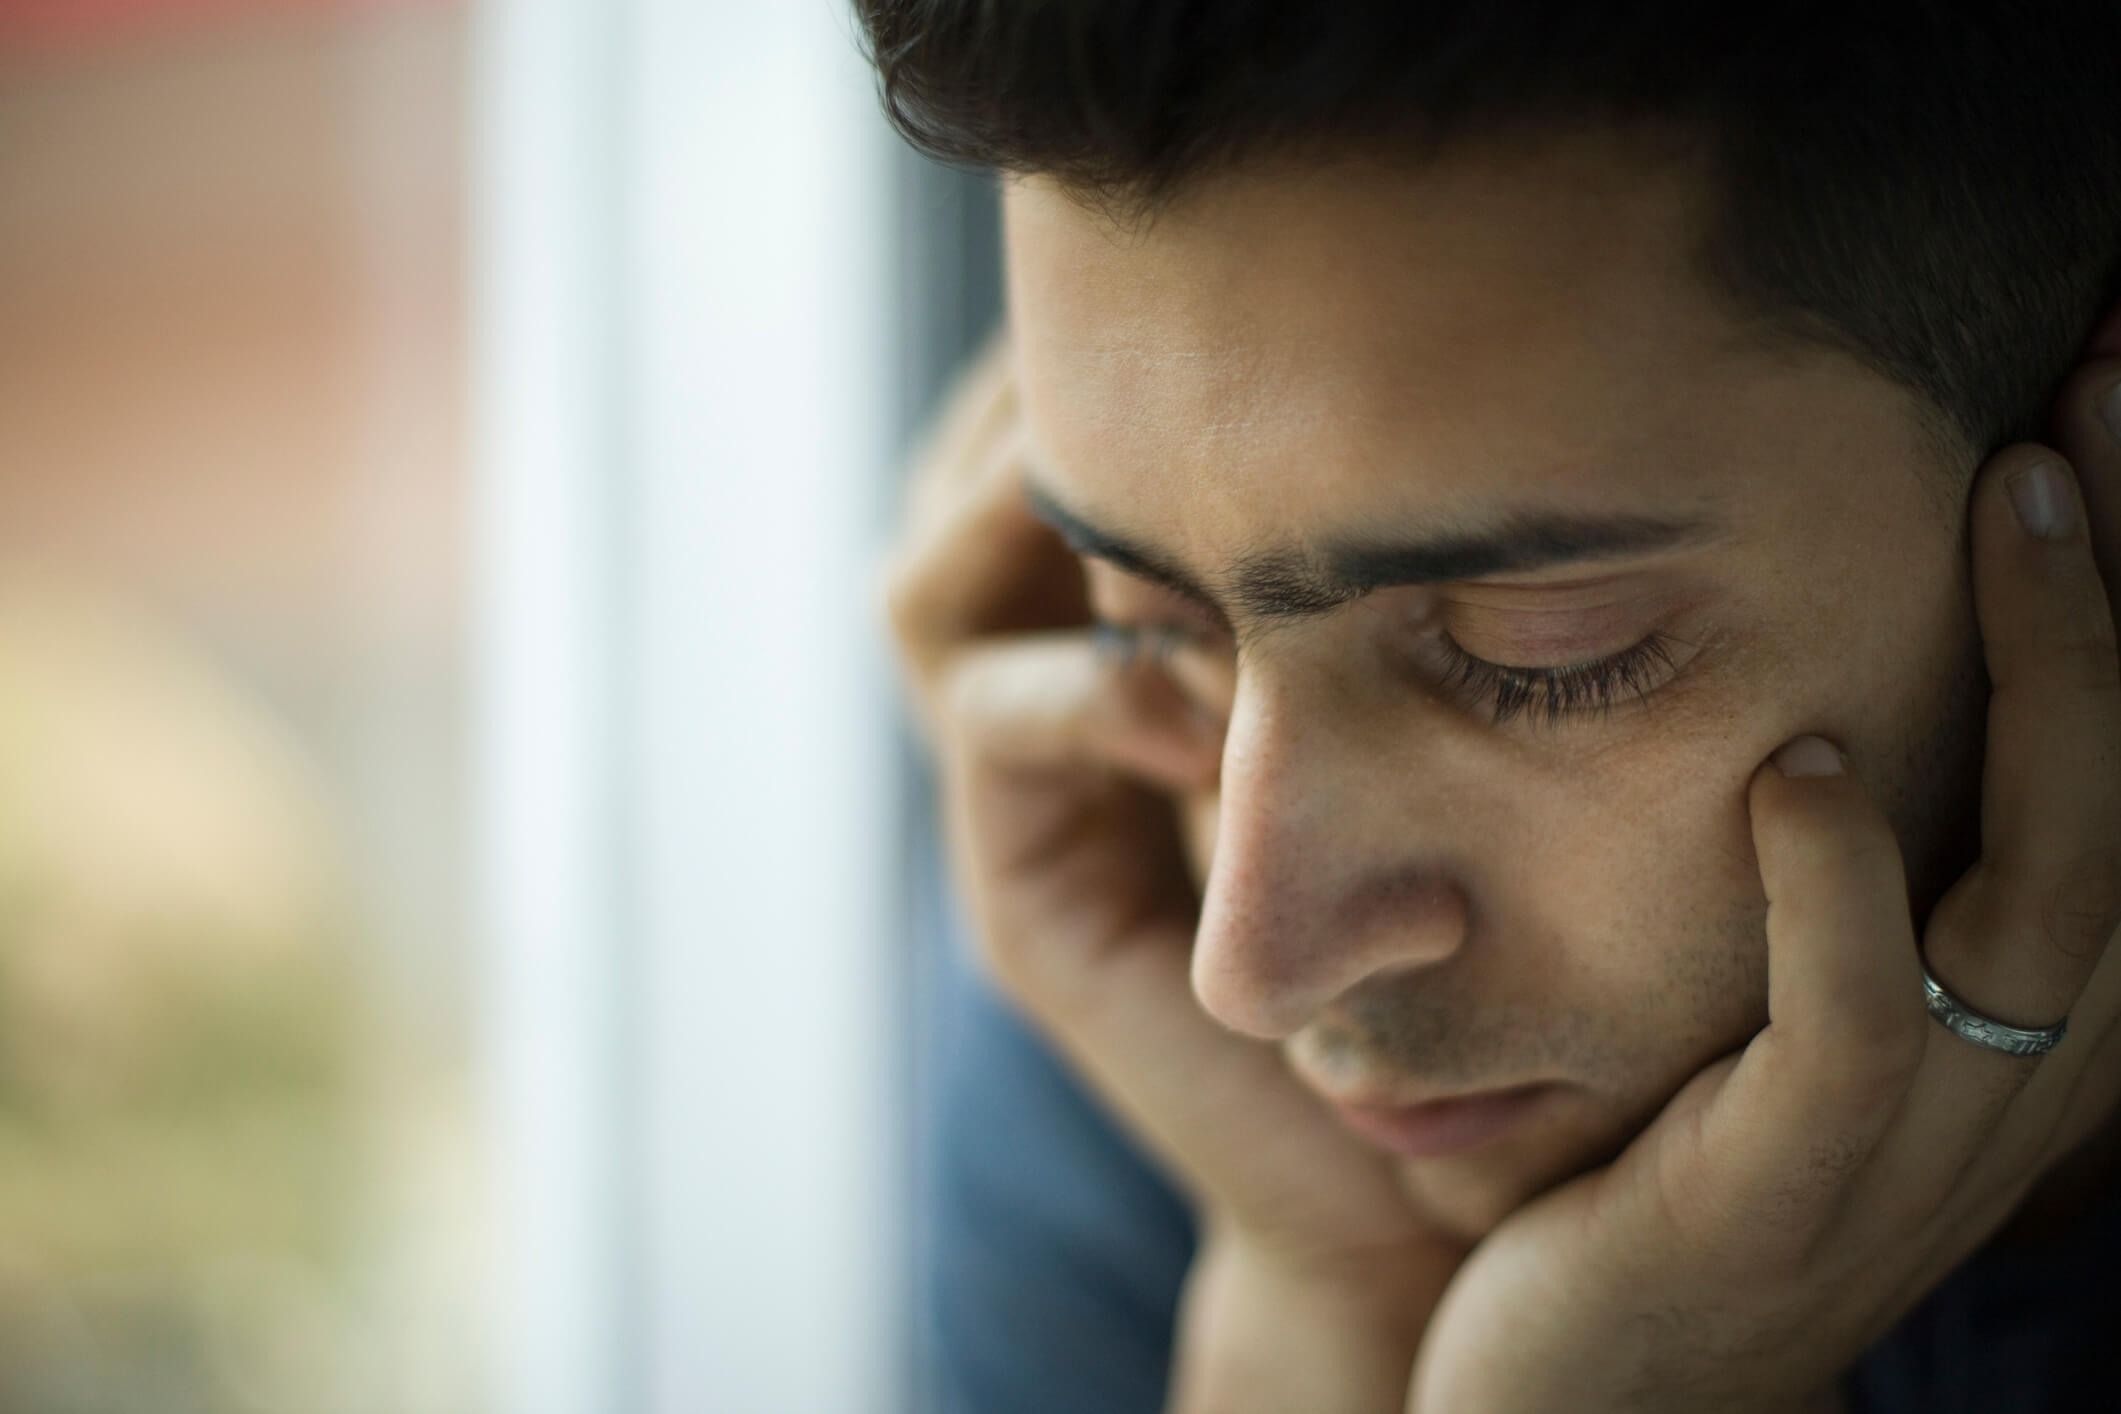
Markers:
<point>1440,1127</point>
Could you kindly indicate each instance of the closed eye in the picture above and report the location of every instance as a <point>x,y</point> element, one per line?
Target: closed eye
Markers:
<point>1549,696</point>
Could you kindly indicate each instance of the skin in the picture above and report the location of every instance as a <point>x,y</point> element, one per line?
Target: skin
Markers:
<point>1293,858</point>
<point>1410,898</point>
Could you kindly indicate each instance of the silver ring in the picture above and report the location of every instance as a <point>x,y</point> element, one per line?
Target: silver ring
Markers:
<point>1963,1020</point>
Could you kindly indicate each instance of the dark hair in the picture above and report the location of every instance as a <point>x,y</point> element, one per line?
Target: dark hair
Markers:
<point>1934,188</point>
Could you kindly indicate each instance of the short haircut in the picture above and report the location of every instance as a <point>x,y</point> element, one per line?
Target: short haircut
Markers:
<point>1933,188</point>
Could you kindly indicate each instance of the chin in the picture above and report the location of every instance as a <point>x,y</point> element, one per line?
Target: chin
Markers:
<point>1468,1209</point>
<point>1470,1195</point>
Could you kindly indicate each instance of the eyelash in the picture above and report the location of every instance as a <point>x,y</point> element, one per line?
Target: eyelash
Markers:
<point>1547,696</point>
<point>1550,695</point>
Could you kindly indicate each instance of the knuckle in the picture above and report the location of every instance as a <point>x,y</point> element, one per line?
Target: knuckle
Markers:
<point>2085,660</point>
<point>2079,913</point>
<point>1018,702</point>
<point>1817,1175</point>
<point>907,597</point>
<point>1878,1075</point>
<point>1874,1067</point>
<point>1793,1218</point>
<point>1872,851</point>
<point>1776,1228</point>
<point>924,602</point>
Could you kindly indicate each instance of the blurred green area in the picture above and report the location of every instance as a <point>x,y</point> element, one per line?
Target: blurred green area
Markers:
<point>185,1122</point>
<point>174,1228</point>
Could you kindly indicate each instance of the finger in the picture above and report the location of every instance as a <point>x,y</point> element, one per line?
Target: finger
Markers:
<point>1815,1089</point>
<point>1060,700</point>
<point>1051,761</point>
<point>983,563</point>
<point>2017,939</point>
<point>2086,422</point>
<point>969,557</point>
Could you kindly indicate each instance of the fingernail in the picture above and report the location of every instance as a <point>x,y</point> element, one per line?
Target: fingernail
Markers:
<point>2110,410</point>
<point>2044,505</point>
<point>1808,756</point>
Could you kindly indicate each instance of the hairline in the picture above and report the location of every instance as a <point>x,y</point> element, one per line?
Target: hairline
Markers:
<point>1131,208</point>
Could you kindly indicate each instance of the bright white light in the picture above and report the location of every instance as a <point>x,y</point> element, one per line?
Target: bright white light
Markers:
<point>683,431</point>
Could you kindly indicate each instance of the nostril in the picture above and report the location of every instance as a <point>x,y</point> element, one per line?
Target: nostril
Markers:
<point>1410,914</point>
<point>1276,947</point>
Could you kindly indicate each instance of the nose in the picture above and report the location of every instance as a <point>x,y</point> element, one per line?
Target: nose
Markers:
<point>1331,865</point>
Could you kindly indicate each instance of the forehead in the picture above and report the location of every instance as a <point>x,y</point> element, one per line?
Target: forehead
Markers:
<point>1519,316</point>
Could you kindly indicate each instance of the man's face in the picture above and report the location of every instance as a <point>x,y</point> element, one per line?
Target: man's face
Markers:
<point>1288,389</point>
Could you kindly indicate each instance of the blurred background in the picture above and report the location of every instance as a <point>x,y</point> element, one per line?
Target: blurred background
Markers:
<point>467,912</point>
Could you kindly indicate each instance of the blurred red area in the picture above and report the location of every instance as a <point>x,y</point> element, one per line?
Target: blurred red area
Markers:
<point>46,24</point>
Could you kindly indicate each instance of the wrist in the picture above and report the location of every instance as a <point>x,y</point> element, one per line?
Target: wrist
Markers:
<point>1260,1332</point>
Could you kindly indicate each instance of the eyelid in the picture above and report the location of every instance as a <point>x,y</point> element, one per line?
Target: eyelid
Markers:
<point>1551,625</point>
<point>1554,633</point>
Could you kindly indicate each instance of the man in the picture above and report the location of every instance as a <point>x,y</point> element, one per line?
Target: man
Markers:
<point>1511,698</point>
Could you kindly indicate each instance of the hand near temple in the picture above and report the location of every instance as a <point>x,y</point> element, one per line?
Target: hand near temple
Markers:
<point>1065,766</point>
<point>1796,1199</point>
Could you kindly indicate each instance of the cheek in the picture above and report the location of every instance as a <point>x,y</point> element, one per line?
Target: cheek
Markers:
<point>1662,875</point>
<point>1650,896</point>
<point>1675,932</point>
<point>1656,889</point>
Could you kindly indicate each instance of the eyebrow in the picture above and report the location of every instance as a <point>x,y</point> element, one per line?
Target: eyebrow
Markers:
<point>1284,584</point>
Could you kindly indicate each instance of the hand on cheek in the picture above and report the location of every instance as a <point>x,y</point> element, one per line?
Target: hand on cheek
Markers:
<point>1795,1200</point>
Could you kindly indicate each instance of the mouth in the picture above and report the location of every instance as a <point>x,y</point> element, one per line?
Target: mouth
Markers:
<point>1440,1127</point>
